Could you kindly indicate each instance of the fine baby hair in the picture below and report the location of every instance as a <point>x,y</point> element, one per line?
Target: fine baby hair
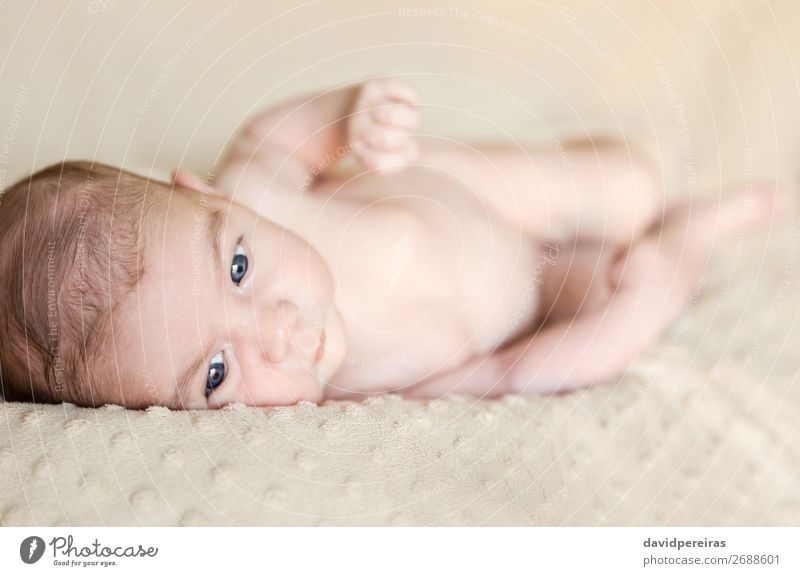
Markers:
<point>71,252</point>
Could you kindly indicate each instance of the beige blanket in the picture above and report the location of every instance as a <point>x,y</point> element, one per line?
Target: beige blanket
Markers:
<point>701,430</point>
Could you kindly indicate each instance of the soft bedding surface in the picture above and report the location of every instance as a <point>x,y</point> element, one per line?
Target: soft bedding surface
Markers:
<point>683,439</point>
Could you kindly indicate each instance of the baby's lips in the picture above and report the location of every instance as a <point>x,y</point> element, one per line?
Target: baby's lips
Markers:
<point>307,343</point>
<point>320,348</point>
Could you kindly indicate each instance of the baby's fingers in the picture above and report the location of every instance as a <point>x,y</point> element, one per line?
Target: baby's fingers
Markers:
<point>401,116</point>
<point>387,162</point>
<point>390,89</point>
<point>387,138</point>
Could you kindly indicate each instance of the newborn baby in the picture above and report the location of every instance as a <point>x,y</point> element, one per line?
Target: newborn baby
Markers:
<point>417,268</point>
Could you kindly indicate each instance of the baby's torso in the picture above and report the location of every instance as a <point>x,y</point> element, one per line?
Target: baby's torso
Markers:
<point>427,276</point>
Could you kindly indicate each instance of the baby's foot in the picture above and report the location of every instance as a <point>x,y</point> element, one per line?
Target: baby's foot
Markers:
<point>737,211</point>
<point>754,207</point>
<point>691,230</point>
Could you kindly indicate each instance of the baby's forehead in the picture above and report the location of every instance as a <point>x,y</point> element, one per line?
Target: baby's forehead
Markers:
<point>185,202</point>
<point>179,278</point>
<point>180,221</point>
<point>156,328</point>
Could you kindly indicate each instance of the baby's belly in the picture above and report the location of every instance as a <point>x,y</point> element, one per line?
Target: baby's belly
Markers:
<point>429,283</point>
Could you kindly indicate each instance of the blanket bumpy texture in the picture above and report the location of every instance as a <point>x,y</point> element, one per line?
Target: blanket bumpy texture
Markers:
<point>702,428</point>
<point>680,440</point>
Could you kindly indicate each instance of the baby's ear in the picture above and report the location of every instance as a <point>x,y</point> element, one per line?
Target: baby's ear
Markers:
<point>187,179</point>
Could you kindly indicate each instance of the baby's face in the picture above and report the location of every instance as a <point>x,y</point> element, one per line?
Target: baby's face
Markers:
<point>231,308</point>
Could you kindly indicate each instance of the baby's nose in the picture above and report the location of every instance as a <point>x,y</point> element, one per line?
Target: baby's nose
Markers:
<point>276,329</point>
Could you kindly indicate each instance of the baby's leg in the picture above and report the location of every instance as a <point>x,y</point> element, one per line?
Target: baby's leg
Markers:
<point>580,280</point>
<point>652,283</point>
<point>688,232</point>
<point>572,353</point>
<point>599,344</point>
<point>595,189</point>
<point>653,280</point>
<point>613,323</point>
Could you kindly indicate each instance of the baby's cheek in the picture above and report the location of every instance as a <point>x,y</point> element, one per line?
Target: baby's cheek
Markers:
<point>277,389</point>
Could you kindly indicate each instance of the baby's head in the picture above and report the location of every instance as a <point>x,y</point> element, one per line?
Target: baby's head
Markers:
<point>118,289</point>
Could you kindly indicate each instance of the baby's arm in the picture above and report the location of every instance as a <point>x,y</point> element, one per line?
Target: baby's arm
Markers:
<point>595,189</point>
<point>289,145</point>
<point>601,344</point>
<point>279,148</point>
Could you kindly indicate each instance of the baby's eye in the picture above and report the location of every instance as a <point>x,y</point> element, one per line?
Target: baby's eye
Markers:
<point>216,372</point>
<point>239,265</point>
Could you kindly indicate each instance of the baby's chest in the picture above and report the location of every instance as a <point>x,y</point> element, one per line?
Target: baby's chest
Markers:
<point>428,279</point>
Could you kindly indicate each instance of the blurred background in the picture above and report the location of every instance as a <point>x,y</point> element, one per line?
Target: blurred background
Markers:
<point>154,85</point>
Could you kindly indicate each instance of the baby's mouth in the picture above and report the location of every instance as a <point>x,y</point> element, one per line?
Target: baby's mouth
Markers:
<point>321,348</point>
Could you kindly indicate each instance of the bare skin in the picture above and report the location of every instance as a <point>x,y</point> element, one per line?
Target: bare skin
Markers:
<point>423,268</point>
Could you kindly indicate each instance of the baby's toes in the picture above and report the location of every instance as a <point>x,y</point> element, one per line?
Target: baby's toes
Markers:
<point>765,202</point>
<point>741,210</point>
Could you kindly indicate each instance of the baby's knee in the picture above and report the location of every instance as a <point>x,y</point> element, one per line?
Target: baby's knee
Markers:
<point>633,192</point>
<point>645,197</point>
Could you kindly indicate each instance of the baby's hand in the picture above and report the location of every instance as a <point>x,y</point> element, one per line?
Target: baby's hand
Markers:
<point>380,128</point>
